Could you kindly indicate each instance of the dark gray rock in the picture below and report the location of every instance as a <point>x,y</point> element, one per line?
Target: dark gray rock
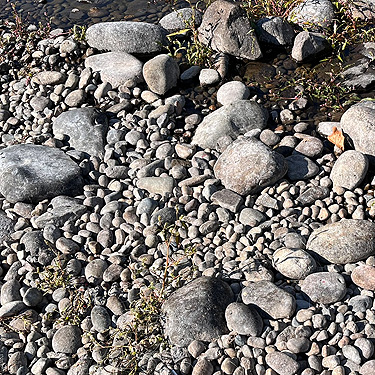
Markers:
<point>243,319</point>
<point>301,167</point>
<point>227,199</point>
<point>37,248</point>
<point>361,76</point>
<point>163,216</point>
<point>309,46</point>
<point>282,363</point>
<point>10,292</point>
<point>324,287</point>
<point>183,310</point>
<point>248,165</point>
<point>293,264</point>
<point>32,173</point>
<point>161,73</point>
<point>101,321</point>
<point>272,301</point>
<point>276,31</point>
<point>181,19</point>
<point>94,270</point>
<point>313,14</point>
<point>226,28</point>
<point>349,169</point>
<point>32,297</point>
<point>85,128</point>
<point>127,36</point>
<point>230,121</point>
<point>12,308</point>
<point>346,241</point>
<point>67,340</point>
<point>116,67</point>
<point>358,123</point>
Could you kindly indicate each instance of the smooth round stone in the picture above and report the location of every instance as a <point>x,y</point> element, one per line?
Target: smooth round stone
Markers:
<point>231,92</point>
<point>294,264</point>
<point>346,241</point>
<point>349,170</point>
<point>324,287</point>
<point>32,297</point>
<point>101,321</point>
<point>351,353</point>
<point>94,270</point>
<point>298,345</point>
<point>282,363</point>
<point>67,340</point>
<point>243,319</point>
<point>365,346</point>
<point>360,303</point>
<point>311,147</point>
<point>10,292</point>
<point>203,367</point>
<point>209,77</point>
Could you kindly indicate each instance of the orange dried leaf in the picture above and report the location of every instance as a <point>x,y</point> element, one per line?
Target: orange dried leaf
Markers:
<point>337,138</point>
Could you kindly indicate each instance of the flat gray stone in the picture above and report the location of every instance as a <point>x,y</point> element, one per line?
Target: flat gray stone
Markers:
<point>10,292</point>
<point>312,194</point>
<point>227,199</point>
<point>32,173</point>
<point>324,287</point>
<point>85,128</point>
<point>282,363</point>
<point>230,121</point>
<point>48,78</point>
<point>272,301</point>
<point>157,185</point>
<point>183,311</point>
<point>127,36</point>
<point>346,241</point>
<point>251,217</point>
<point>349,170</point>
<point>11,308</point>
<point>116,67</point>
<point>248,165</point>
<point>226,28</point>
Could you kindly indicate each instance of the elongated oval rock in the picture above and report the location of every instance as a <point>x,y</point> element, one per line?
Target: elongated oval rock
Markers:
<point>248,165</point>
<point>282,363</point>
<point>33,172</point>
<point>364,276</point>
<point>196,311</point>
<point>271,300</point>
<point>324,287</point>
<point>127,36</point>
<point>346,241</point>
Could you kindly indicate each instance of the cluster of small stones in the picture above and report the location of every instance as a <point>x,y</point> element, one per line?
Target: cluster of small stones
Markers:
<point>99,151</point>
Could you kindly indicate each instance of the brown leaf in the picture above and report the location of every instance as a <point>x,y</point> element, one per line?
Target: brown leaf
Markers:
<point>337,138</point>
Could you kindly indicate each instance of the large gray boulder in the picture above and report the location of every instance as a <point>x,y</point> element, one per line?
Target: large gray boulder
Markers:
<point>309,46</point>
<point>33,173</point>
<point>346,241</point>
<point>127,36</point>
<point>228,122</point>
<point>85,128</point>
<point>276,31</point>
<point>226,28</point>
<point>116,67</point>
<point>248,165</point>
<point>197,311</point>
<point>313,14</point>
<point>161,73</point>
<point>358,123</point>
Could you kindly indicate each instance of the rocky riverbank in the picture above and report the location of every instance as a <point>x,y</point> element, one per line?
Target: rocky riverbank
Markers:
<point>164,219</point>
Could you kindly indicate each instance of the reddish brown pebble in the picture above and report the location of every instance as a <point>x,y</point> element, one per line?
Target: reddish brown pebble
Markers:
<point>364,276</point>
